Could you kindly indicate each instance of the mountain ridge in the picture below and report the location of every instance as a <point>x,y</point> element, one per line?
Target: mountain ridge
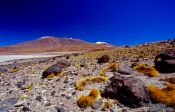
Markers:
<point>51,44</point>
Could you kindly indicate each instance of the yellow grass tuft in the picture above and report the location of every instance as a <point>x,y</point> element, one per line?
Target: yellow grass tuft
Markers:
<point>85,101</point>
<point>52,75</point>
<point>80,85</point>
<point>62,74</point>
<point>112,66</point>
<point>14,70</point>
<point>109,104</point>
<point>1,74</point>
<point>165,95</point>
<point>99,79</point>
<point>29,87</point>
<point>147,70</point>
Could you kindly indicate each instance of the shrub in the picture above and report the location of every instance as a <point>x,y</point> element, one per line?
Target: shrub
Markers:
<point>14,70</point>
<point>165,95</point>
<point>21,97</point>
<point>62,73</point>
<point>80,85</point>
<point>52,75</point>
<point>85,101</point>
<point>112,66</point>
<point>99,79</point>
<point>28,87</point>
<point>147,70</point>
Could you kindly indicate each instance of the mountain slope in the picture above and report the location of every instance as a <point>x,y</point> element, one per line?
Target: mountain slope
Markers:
<point>51,44</point>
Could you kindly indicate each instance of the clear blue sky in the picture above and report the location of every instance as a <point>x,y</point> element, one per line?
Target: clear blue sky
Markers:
<point>119,22</point>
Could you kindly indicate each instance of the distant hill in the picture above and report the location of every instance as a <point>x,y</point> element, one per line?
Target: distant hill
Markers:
<point>51,44</point>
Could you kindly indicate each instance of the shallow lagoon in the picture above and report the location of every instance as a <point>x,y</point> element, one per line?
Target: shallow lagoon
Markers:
<point>4,58</point>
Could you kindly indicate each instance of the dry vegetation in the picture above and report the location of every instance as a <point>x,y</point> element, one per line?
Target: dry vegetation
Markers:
<point>165,95</point>
<point>112,66</point>
<point>14,70</point>
<point>147,70</point>
<point>85,101</point>
<point>80,85</point>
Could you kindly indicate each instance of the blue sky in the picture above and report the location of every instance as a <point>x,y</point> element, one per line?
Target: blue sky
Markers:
<point>118,22</point>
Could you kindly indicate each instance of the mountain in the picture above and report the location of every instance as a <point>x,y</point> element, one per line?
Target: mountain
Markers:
<point>51,44</point>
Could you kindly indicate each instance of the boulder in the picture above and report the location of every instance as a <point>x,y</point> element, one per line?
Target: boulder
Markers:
<point>129,91</point>
<point>103,59</point>
<point>165,61</point>
<point>125,70</point>
<point>56,69</point>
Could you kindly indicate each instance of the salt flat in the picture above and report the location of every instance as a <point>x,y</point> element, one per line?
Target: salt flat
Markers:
<point>4,58</point>
<point>14,57</point>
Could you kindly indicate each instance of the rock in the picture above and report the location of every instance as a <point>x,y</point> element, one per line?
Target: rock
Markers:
<point>7,104</point>
<point>165,61</point>
<point>68,97</point>
<point>25,109</point>
<point>55,69</point>
<point>126,70</point>
<point>61,110</point>
<point>129,91</point>
<point>67,57</point>
<point>66,81</point>
<point>74,93</point>
<point>53,93</point>
<point>39,98</point>
<point>97,105</point>
<point>48,104</point>
<point>20,104</point>
<point>20,84</point>
<point>103,59</point>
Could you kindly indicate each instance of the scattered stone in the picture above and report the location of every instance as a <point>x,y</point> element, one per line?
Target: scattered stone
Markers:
<point>26,109</point>
<point>165,61</point>
<point>58,80</point>
<point>63,95</point>
<point>67,57</point>
<point>97,105</point>
<point>103,59</point>
<point>61,110</point>
<point>3,70</point>
<point>66,81</point>
<point>53,93</point>
<point>129,91</point>
<point>68,97</point>
<point>48,104</point>
<point>20,84</point>
<point>74,93</point>
<point>39,98</point>
<point>83,65</point>
<point>20,104</point>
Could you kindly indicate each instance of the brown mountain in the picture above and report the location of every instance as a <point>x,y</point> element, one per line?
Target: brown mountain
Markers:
<point>51,44</point>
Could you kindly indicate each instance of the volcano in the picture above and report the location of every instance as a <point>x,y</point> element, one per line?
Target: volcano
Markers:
<point>51,44</point>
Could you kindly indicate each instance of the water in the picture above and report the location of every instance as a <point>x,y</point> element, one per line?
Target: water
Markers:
<point>4,58</point>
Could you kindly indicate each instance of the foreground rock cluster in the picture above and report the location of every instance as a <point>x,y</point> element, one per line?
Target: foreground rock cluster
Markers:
<point>115,80</point>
